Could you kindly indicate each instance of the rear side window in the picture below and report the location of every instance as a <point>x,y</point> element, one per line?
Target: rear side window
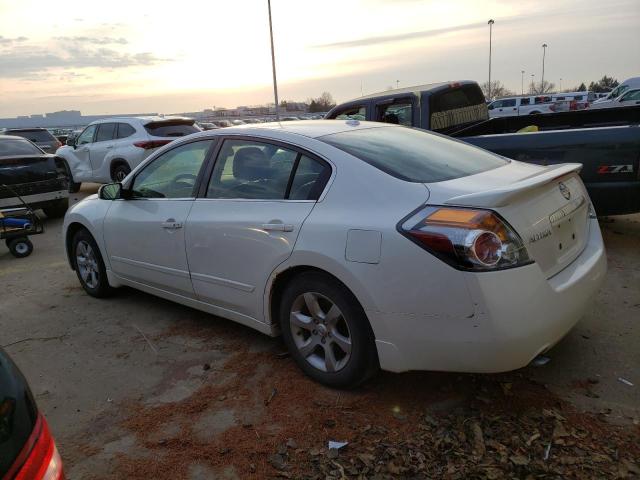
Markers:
<point>309,180</point>
<point>106,131</point>
<point>524,101</point>
<point>400,113</point>
<point>36,136</point>
<point>457,106</point>
<point>170,129</point>
<point>352,113</point>
<point>125,130</point>
<point>12,147</point>
<point>414,155</point>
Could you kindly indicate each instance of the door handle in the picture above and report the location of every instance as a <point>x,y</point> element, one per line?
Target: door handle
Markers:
<point>277,227</point>
<point>171,224</point>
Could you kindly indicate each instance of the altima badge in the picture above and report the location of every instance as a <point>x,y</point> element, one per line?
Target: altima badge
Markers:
<point>564,190</point>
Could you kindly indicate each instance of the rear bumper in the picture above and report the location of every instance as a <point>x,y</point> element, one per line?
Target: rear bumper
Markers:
<point>35,200</point>
<point>615,198</point>
<point>518,315</point>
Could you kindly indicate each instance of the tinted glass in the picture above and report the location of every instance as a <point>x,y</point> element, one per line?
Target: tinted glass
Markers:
<point>169,129</point>
<point>173,174</point>
<point>414,155</point>
<point>352,113</point>
<point>36,136</point>
<point>125,130</point>
<point>249,169</point>
<point>396,113</point>
<point>511,102</point>
<point>87,135</point>
<point>524,101</point>
<point>106,131</point>
<point>309,179</point>
<point>11,147</point>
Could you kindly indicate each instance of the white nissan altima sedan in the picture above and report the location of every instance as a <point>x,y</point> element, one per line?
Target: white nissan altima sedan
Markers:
<point>366,245</point>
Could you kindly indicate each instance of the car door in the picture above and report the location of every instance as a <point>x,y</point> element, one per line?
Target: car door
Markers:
<point>247,219</point>
<point>81,168</point>
<point>101,146</point>
<point>629,98</point>
<point>144,233</point>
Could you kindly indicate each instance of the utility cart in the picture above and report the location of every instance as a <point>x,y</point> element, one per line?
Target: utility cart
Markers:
<point>16,225</point>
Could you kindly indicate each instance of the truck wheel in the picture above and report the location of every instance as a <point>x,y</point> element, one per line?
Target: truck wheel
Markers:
<point>120,171</point>
<point>20,247</point>
<point>57,208</point>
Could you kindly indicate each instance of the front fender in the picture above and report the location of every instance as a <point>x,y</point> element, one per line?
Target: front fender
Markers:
<point>80,171</point>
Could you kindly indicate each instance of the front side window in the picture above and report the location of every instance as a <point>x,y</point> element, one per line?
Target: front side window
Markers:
<point>632,95</point>
<point>125,130</point>
<point>248,169</point>
<point>510,102</point>
<point>87,135</point>
<point>106,131</point>
<point>397,113</point>
<point>414,155</point>
<point>352,113</point>
<point>173,174</point>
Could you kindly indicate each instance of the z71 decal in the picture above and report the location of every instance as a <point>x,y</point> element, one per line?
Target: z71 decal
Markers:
<point>615,169</point>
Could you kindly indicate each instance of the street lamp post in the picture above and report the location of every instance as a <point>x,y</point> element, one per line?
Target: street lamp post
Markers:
<point>490,23</point>
<point>544,51</point>
<point>522,82</point>
<point>560,84</point>
<point>533,86</point>
<point>273,65</point>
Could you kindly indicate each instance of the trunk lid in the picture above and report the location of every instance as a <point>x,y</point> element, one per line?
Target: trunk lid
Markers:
<point>548,207</point>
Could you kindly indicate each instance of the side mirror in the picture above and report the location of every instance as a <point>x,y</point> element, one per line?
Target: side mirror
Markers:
<point>110,191</point>
<point>71,141</point>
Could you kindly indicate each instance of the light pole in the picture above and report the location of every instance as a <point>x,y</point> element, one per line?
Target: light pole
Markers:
<point>533,86</point>
<point>544,51</point>
<point>490,23</point>
<point>561,84</point>
<point>522,82</point>
<point>273,65</point>
<point>397,84</point>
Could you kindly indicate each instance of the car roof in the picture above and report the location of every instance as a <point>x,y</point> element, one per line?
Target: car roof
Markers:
<point>307,128</point>
<point>143,120</point>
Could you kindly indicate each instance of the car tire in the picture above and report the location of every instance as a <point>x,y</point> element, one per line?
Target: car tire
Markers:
<point>89,266</point>
<point>120,171</point>
<point>57,208</point>
<point>20,247</point>
<point>327,331</point>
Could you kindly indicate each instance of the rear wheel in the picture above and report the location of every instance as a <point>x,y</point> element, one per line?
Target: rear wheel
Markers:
<point>57,208</point>
<point>89,265</point>
<point>326,331</point>
<point>120,171</point>
<point>20,247</point>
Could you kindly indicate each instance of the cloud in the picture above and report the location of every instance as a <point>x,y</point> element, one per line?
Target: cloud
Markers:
<point>375,40</point>
<point>11,41</point>
<point>32,62</point>
<point>93,40</point>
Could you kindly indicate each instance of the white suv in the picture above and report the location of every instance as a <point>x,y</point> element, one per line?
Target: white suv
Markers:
<point>107,150</point>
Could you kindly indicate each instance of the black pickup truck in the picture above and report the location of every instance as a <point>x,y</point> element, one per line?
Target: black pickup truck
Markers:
<point>605,141</point>
<point>41,179</point>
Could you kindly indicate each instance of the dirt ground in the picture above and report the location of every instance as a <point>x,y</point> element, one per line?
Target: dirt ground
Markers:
<point>138,387</point>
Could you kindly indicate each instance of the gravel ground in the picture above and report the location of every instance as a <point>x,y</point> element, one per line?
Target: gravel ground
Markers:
<point>138,387</point>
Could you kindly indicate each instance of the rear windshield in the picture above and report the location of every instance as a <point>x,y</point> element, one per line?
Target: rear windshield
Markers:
<point>457,106</point>
<point>10,147</point>
<point>414,155</point>
<point>37,136</point>
<point>169,129</point>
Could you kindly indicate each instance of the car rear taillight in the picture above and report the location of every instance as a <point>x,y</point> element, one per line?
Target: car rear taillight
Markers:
<point>58,144</point>
<point>148,144</point>
<point>466,238</point>
<point>42,461</point>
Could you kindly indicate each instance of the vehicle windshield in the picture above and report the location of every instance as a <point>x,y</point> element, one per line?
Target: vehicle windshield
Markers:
<point>11,146</point>
<point>414,155</point>
<point>36,136</point>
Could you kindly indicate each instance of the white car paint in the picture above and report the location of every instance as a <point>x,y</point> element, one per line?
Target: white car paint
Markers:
<point>94,161</point>
<point>633,82</point>
<point>629,98</point>
<point>424,313</point>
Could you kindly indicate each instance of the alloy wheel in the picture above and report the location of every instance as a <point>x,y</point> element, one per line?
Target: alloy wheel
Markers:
<point>87,264</point>
<point>320,332</point>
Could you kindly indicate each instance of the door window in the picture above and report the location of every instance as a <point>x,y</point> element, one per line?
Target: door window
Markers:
<point>509,102</point>
<point>173,174</point>
<point>352,113</point>
<point>632,95</point>
<point>524,101</point>
<point>255,170</point>
<point>106,131</point>
<point>87,135</point>
<point>125,130</point>
<point>397,113</point>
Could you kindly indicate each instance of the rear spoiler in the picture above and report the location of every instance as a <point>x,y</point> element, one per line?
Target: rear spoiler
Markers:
<point>500,197</point>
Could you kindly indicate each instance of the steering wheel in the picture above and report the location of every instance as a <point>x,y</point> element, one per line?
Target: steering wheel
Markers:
<point>182,181</point>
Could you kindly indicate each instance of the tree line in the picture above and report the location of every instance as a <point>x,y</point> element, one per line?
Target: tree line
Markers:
<point>498,90</point>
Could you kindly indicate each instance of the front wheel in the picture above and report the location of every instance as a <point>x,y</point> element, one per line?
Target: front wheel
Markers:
<point>20,247</point>
<point>327,331</point>
<point>89,265</point>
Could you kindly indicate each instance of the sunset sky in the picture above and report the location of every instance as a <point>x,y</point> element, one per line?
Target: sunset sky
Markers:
<point>142,56</point>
